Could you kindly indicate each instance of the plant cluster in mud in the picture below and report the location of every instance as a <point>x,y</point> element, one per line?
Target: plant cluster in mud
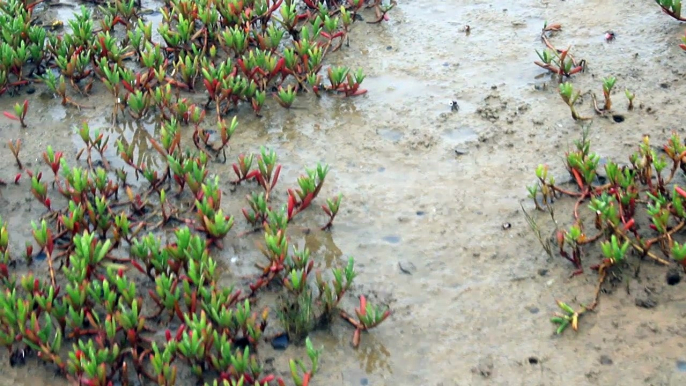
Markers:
<point>636,208</point>
<point>557,61</point>
<point>561,63</point>
<point>113,279</point>
<point>241,51</point>
<point>633,209</point>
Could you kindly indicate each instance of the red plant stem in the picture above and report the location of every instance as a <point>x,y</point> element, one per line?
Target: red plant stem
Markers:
<point>672,14</point>
<point>640,249</point>
<point>329,224</point>
<point>585,194</point>
<point>563,191</point>
<point>50,267</point>
<point>667,235</point>
<point>351,320</point>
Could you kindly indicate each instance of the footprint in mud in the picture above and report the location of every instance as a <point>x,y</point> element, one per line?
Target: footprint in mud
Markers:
<point>484,367</point>
<point>494,107</point>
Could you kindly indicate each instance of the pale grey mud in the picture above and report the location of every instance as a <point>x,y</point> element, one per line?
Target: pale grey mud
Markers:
<point>427,191</point>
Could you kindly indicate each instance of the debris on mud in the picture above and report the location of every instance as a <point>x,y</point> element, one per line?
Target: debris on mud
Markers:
<point>407,267</point>
<point>645,301</point>
<point>484,367</point>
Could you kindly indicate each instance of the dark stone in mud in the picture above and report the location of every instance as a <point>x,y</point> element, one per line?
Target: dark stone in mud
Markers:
<point>30,90</point>
<point>542,272</point>
<point>420,213</point>
<point>645,301</point>
<point>673,276</point>
<point>40,256</point>
<point>18,358</point>
<point>533,310</point>
<point>681,366</point>
<point>364,381</point>
<point>392,239</point>
<point>280,342</point>
<point>406,267</point>
<point>533,360</point>
<point>618,118</point>
<point>605,360</point>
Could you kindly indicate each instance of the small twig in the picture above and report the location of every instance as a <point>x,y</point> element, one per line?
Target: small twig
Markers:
<point>598,288</point>
<point>595,105</point>
<point>50,267</point>
<point>637,247</point>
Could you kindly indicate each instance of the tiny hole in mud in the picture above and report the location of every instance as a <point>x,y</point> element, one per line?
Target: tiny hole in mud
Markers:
<point>673,277</point>
<point>618,118</point>
<point>533,360</point>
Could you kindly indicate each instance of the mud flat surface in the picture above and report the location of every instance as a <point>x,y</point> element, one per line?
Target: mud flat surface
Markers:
<point>428,190</point>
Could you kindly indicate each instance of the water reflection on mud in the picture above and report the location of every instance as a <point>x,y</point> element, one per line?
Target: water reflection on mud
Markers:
<point>137,133</point>
<point>374,356</point>
<point>321,244</point>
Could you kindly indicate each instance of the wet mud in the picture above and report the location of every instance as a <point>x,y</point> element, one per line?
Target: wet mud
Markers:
<point>428,189</point>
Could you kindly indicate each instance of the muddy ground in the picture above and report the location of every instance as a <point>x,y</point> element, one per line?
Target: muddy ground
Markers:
<point>429,190</point>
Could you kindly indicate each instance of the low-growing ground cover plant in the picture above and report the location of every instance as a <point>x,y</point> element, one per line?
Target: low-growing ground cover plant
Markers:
<point>120,284</point>
<point>113,281</point>
<point>634,211</point>
<point>235,51</point>
<point>557,61</point>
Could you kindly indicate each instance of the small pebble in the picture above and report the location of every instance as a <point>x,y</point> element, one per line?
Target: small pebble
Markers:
<point>392,239</point>
<point>280,342</point>
<point>605,360</point>
<point>407,267</point>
